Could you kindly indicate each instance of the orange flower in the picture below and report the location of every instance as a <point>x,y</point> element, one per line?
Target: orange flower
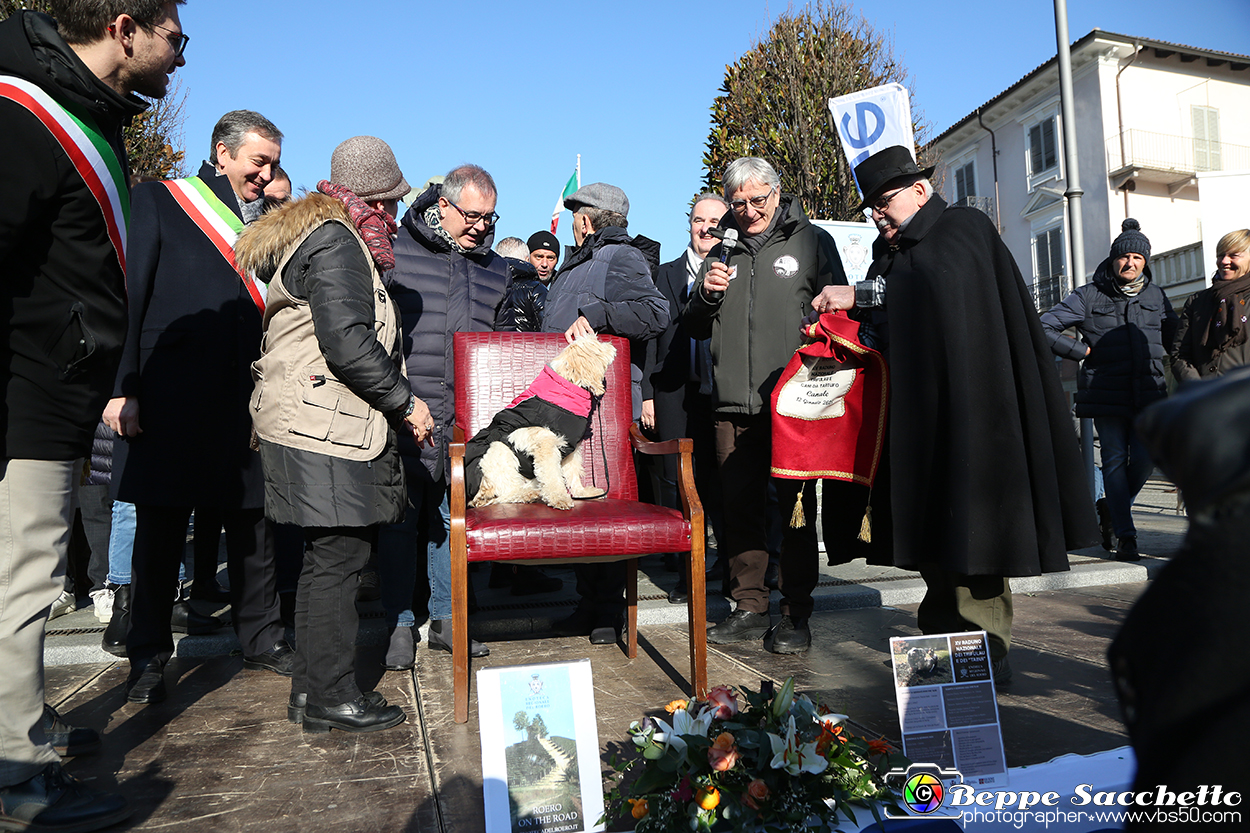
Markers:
<point>879,747</point>
<point>640,808</point>
<point>676,706</point>
<point>828,734</point>
<point>723,754</point>
<point>708,798</point>
<point>757,793</point>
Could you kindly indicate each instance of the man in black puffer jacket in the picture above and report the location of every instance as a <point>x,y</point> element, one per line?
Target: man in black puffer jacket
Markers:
<point>446,280</point>
<point>1126,325</point>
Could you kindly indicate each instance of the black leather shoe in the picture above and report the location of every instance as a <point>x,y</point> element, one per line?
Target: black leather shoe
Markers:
<point>360,715</point>
<point>186,619</point>
<point>53,800</point>
<point>741,626</point>
<point>1105,525</point>
<point>67,740</point>
<point>114,640</point>
<point>1127,550</point>
<point>149,686</point>
<point>401,650</point>
<point>298,702</point>
<point>604,635</point>
<point>440,639</point>
<point>277,659</point>
<point>210,591</point>
<point>1000,669</point>
<point>789,637</point>
<point>578,623</point>
<point>679,595</point>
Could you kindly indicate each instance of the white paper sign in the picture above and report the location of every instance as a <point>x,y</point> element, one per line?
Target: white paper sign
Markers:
<point>872,120</point>
<point>540,748</point>
<point>947,708</point>
<point>817,390</point>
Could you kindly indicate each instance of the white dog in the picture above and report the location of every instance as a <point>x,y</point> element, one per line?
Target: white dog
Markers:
<point>532,449</point>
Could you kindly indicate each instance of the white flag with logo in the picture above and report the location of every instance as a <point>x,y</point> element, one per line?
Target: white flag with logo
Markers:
<point>872,120</point>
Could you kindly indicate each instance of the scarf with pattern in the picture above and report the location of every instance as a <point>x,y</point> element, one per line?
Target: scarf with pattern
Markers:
<point>377,228</point>
<point>434,219</point>
<point>1228,322</point>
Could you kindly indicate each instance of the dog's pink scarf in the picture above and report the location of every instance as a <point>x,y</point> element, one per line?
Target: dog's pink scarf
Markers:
<point>554,388</point>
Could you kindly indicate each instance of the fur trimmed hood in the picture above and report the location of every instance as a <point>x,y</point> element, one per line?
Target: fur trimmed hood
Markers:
<point>263,244</point>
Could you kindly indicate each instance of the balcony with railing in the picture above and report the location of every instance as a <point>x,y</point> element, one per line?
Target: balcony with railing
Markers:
<point>1172,160</point>
<point>983,204</point>
<point>1049,290</point>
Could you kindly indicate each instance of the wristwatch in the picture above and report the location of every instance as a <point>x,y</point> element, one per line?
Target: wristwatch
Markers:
<point>870,293</point>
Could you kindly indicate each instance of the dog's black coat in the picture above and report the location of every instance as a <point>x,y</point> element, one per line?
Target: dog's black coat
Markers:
<point>570,427</point>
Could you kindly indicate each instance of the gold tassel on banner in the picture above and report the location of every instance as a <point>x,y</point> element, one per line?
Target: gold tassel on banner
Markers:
<point>865,526</point>
<point>797,517</point>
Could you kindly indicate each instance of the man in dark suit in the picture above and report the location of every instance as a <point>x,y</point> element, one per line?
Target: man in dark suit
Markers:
<point>181,397</point>
<point>677,380</point>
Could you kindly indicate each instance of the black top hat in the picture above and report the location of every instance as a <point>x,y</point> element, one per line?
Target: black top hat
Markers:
<point>875,172</point>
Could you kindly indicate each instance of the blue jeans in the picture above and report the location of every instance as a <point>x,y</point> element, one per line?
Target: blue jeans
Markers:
<point>1126,466</point>
<point>122,544</point>
<point>426,521</point>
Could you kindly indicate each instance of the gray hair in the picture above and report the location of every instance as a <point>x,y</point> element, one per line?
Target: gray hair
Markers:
<point>744,170</point>
<point>601,218</point>
<point>232,130</point>
<point>706,195</point>
<point>84,22</point>
<point>458,178</point>
<point>512,247</point>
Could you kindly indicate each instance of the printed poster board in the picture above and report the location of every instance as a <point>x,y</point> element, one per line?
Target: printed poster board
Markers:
<point>540,748</point>
<point>947,708</point>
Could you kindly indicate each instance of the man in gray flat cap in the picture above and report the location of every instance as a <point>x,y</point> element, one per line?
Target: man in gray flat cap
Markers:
<point>605,286</point>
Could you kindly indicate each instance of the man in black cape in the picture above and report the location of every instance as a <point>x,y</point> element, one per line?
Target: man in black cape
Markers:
<point>983,473</point>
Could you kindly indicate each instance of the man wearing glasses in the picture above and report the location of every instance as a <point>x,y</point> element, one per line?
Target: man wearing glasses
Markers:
<point>446,280</point>
<point>750,302</point>
<point>982,469</point>
<point>63,207</point>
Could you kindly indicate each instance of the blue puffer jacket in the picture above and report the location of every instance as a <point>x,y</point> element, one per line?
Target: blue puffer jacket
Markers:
<point>1128,339</point>
<point>439,292</point>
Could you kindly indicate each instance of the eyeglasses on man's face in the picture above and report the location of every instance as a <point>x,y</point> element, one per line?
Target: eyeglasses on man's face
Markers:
<point>757,202</point>
<point>177,40</point>
<point>474,217</point>
<point>881,203</point>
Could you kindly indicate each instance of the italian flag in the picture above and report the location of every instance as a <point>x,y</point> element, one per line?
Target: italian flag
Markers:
<point>570,188</point>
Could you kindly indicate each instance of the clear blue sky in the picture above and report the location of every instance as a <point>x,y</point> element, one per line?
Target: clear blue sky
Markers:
<point>522,88</point>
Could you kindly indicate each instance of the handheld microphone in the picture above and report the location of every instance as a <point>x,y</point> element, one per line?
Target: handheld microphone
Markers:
<point>729,242</point>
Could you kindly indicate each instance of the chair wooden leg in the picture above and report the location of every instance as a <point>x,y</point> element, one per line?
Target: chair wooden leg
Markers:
<point>695,572</point>
<point>460,634</point>
<point>631,607</point>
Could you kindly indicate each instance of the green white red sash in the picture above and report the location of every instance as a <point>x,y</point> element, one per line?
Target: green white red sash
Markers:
<point>87,148</point>
<point>221,225</point>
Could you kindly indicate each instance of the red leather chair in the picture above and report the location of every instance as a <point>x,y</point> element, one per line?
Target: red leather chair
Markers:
<point>491,369</point>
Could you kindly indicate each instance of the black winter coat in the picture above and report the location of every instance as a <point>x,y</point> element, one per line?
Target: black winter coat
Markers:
<point>524,299</point>
<point>317,490</point>
<point>754,326</point>
<point>194,333</point>
<point>63,294</point>
<point>607,280</point>
<point>984,469</point>
<point>1191,360</point>
<point>1128,339</point>
<point>439,292</point>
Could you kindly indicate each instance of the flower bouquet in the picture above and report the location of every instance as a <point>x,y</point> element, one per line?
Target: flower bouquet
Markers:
<point>775,762</point>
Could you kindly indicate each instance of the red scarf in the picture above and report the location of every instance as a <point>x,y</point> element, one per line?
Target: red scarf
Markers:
<point>377,228</point>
